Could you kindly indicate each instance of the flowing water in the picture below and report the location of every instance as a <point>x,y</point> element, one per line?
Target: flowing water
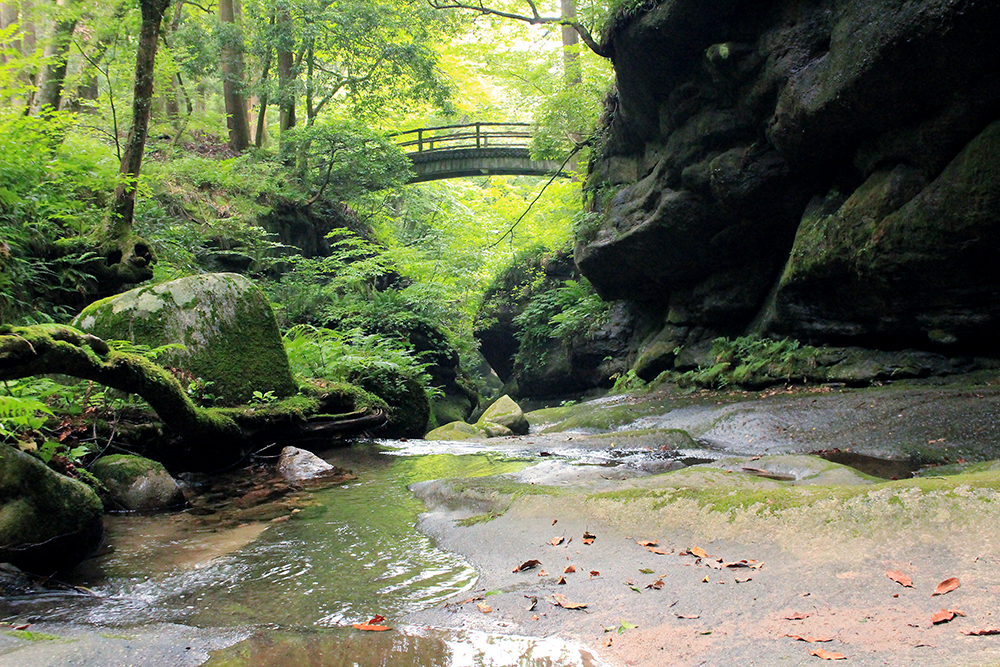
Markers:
<point>291,585</point>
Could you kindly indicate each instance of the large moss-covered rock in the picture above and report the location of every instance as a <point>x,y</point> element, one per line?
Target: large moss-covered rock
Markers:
<point>505,412</point>
<point>48,521</point>
<point>224,322</point>
<point>841,147</point>
<point>136,483</point>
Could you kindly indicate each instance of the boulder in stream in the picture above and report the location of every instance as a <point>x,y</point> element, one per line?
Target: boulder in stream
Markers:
<point>137,484</point>
<point>48,521</point>
<point>299,465</point>
<point>505,412</point>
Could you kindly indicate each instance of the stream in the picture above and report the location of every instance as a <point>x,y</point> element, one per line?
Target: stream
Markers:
<point>246,589</point>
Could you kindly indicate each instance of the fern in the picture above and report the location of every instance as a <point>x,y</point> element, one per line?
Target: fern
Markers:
<point>21,414</point>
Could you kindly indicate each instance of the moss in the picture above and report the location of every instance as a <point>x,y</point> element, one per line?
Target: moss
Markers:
<point>31,636</point>
<point>124,469</point>
<point>479,518</point>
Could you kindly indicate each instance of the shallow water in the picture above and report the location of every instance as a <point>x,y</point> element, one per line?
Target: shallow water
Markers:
<point>296,585</point>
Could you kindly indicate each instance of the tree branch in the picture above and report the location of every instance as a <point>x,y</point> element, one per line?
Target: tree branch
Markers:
<point>534,19</point>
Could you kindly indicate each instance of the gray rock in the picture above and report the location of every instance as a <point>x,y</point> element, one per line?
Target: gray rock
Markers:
<point>223,320</point>
<point>48,521</point>
<point>299,465</point>
<point>505,412</point>
<point>137,484</point>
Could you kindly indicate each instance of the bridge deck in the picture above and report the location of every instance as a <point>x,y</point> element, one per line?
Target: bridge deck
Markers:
<point>454,151</point>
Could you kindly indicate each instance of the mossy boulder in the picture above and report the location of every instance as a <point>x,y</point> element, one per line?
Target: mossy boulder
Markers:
<point>505,412</point>
<point>457,430</point>
<point>136,483</point>
<point>48,521</point>
<point>409,406</point>
<point>224,322</point>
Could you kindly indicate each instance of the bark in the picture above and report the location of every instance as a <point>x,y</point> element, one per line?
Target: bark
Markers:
<point>232,77</point>
<point>286,73</point>
<point>571,41</point>
<point>53,75</point>
<point>131,258</point>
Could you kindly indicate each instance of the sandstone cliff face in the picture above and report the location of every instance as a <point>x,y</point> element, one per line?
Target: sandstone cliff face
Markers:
<point>824,169</point>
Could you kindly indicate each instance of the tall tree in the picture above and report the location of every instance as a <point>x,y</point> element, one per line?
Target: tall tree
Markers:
<point>53,75</point>
<point>232,75</point>
<point>132,262</point>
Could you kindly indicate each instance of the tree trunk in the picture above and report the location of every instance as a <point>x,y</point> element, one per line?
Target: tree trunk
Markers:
<point>572,71</point>
<point>232,76</point>
<point>53,75</point>
<point>134,257</point>
<point>286,73</point>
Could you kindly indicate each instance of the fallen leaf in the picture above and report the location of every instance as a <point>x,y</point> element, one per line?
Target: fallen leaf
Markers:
<point>657,550</point>
<point>527,565</point>
<point>556,541</point>
<point>372,625</point>
<point>560,600</point>
<point>689,616</point>
<point>705,580</point>
<point>570,569</point>
<point>810,640</point>
<point>738,563</point>
<point>826,655</point>
<point>594,573</point>
<point>699,552</point>
<point>981,633</point>
<point>743,580</point>
<point>562,581</point>
<point>485,608</point>
<point>645,570</point>
<point>588,538</point>
<point>22,627</point>
<point>533,603</point>
<point>796,616</point>
<point>554,521</point>
<point>648,543</point>
<point>945,615</point>
<point>900,578</point>
<point>656,585</point>
<point>607,642</point>
<point>543,573</point>
<point>946,586</point>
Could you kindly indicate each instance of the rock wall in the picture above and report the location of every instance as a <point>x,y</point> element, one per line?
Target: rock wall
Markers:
<point>827,170</point>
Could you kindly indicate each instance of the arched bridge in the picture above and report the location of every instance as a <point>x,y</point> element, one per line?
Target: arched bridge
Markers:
<point>473,149</point>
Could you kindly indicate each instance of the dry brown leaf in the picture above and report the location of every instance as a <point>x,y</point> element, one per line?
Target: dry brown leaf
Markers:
<point>656,585</point>
<point>594,573</point>
<point>945,615</point>
<point>543,573</point>
<point>562,581</point>
<point>657,550</point>
<point>900,578</point>
<point>743,580</point>
<point>705,580</point>
<point>648,543</point>
<point>556,541</point>
<point>688,616</point>
<point>981,633</point>
<point>554,521</point>
<point>699,552</point>
<point>533,602</point>
<point>560,600</point>
<point>607,642</point>
<point>796,616</point>
<point>826,655</point>
<point>946,586</point>
<point>570,569</point>
<point>810,640</point>
<point>485,608</point>
<point>527,565</point>
<point>588,538</point>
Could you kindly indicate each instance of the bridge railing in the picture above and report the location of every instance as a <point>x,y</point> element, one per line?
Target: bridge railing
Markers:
<point>471,135</point>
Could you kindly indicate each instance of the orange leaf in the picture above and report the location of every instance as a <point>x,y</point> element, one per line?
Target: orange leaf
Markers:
<point>527,565</point>
<point>826,655</point>
<point>690,616</point>
<point>369,628</point>
<point>485,608</point>
<point>705,580</point>
<point>543,573</point>
<point>588,538</point>
<point>657,550</point>
<point>900,578</point>
<point>981,633</point>
<point>570,569</point>
<point>796,616</point>
<point>562,580</point>
<point>946,586</point>
<point>594,573</point>
<point>647,543</point>
<point>559,600</point>
<point>656,585</point>
<point>699,552</point>
<point>556,541</point>
<point>810,640</point>
<point>945,615</point>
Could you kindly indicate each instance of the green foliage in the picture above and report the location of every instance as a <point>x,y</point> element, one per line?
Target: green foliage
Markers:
<point>19,414</point>
<point>565,313</point>
<point>753,361</point>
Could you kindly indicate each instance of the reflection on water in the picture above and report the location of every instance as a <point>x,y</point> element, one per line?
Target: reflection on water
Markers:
<point>408,647</point>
